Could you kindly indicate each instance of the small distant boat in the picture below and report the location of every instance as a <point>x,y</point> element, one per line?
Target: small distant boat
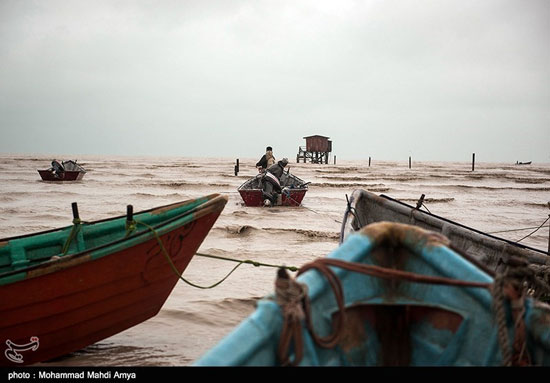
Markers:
<point>294,190</point>
<point>72,172</point>
<point>390,295</point>
<point>523,163</point>
<point>64,289</point>
<point>487,250</point>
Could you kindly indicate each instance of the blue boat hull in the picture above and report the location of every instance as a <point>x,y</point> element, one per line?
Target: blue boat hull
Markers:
<point>392,321</point>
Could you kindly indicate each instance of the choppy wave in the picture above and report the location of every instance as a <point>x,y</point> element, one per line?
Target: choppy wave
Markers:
<point>149,195</point>
<point>342,178</point>
<point>429,200</point>
<point>537,204</point>
<point>8,210</point>
<point>247,230</point>
<point>7,197</point>
<point>240,213</point>
<point>337,170</point>
<point>351,185</point>
<point>180,184</point>
<point>107,353</point>
<point>475,176</point>
<point>528,180</point>
<point>203,314</point>
<point>18,230</point>
<point>484,187</point>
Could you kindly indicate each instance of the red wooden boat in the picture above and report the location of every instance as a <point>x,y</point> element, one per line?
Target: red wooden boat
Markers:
<point>294,190</point>
<point>64,289</point>
<point>73,172</point>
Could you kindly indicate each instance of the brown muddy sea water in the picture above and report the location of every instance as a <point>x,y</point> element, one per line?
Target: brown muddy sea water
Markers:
<point>495,197</point>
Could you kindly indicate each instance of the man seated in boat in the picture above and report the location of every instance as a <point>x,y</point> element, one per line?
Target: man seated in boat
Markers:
<point>57,168</point>
<point>271,184</point>
<point>267,159</point>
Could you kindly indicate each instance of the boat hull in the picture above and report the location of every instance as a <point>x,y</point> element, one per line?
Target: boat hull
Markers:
<point>254,197</point>
<point>490,251</point>
<point>68,175</point>
<point>391,316</point>
<point>61,309</point>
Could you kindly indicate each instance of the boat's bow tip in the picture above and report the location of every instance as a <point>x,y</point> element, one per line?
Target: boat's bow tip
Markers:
<point>393,232</point>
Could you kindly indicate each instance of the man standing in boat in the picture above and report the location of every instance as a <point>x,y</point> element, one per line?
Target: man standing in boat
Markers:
<point>267,159</point>
<point>271,182</point>
<point>57,168</point>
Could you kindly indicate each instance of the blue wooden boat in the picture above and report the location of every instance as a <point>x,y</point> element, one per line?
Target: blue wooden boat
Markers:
<point>391,294</point>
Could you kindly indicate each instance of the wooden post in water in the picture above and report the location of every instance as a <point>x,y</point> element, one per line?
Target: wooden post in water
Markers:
<point>237,167</point>
<point>369,162</point>
<point>409,162</point>
<point>473,161</point>
<point>334,160</point>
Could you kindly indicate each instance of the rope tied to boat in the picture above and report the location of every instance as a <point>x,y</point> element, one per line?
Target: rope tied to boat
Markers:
<point>72,235</point>
<point>350,210</point>
<point>291,331</point>
<point>534,231</point>
<point>510,286</point>
<point>132,225</point>
<point>290,296</point>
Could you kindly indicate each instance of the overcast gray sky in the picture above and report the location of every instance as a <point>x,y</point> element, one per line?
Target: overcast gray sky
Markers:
<point>433,79</point>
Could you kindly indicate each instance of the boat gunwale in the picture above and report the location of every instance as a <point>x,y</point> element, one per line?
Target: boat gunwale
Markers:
<point>303,185</point>
<point>207,207</point>
<point>510,242</point>
<point>363,192</point>
<point>150,210</point>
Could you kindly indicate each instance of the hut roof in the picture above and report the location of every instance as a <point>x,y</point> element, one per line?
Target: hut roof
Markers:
<point>316,135</point>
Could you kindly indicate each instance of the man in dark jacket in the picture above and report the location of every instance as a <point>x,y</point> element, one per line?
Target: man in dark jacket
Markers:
<point>266,160</point>
<point>271,182</point>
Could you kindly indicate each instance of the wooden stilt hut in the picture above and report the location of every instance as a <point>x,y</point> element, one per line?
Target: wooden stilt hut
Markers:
<point>317,150</point>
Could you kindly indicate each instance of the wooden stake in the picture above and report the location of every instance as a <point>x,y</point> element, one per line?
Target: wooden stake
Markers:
<point>129,213</point>
<point>473,160</point>
<point>74,206</point>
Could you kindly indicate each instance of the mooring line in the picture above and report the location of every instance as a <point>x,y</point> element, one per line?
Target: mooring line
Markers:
<point>130,226</point>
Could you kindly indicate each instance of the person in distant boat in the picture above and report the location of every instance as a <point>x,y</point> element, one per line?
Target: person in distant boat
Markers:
<point>57,168</point>
<point>271,182</point>
<point>267,159</point>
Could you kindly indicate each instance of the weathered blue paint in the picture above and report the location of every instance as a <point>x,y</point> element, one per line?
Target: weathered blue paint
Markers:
<point>474,342</point>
